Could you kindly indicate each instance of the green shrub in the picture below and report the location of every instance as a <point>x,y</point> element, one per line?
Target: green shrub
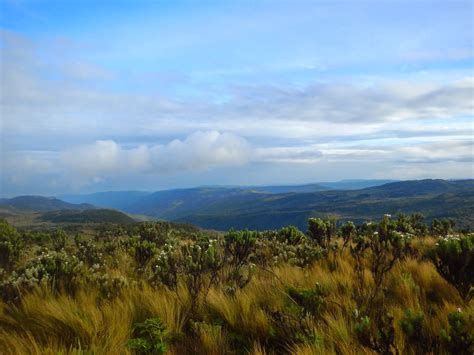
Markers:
<point>310,300</point>
<point>58,270</point>
<point>59,238</point>
<point>151,337</point>
<point>459,336</point>
<point>412,325</point>
<point>454,259</point>
<point>11,244</point>
<point>290,235</point>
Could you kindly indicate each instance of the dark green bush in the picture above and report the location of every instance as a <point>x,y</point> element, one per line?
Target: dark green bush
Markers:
<point>459,336</point>
<point>151,337</point>
<point>454,259</point>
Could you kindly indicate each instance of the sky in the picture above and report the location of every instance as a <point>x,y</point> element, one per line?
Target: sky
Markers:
<point>152,95</point>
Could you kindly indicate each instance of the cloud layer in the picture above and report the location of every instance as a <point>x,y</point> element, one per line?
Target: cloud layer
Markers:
<point>199,106</point>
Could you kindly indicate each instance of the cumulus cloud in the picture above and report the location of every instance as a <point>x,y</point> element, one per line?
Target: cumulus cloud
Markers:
<point>198,151</point>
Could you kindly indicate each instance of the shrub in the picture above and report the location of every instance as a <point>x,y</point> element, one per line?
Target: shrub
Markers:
<point>143,252</point>
<point>154,232</point>
<point>454,259</point>
<point>59,270</point>
<point>88,252</point>
<point>377,334</point>
<point>151,337</point>
<point>239,245</point>
<point>412,325</point>
<point>310,300</point>
<point>290,235</point>
<point>459,337</point>
<point>321,231</point>
<point>379,251</point>
<point>59,238</point>
<point>442,227</point>
<point>348,232</point>
<point>10,245</point>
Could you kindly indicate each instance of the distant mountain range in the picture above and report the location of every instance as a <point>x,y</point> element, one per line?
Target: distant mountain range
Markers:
<point>125,199</point>
<point>224,208</point>
<point>269,207</point>
<point>41,204</point>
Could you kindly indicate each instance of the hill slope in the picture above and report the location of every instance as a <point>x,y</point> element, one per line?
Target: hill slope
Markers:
<point>239,208</point>
<point>110,199</point>
<point>87,216</point>
<point>41,204</point>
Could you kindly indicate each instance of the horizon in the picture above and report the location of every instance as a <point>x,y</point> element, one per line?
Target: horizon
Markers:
<point>380,182</point>
<point>164,95</point>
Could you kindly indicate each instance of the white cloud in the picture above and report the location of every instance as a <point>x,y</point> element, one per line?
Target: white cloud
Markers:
<point>198,151</point>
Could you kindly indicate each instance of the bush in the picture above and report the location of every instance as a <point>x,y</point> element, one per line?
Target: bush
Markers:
<point>59,238</point>
<point>151,337</point>
<point>412,325</point>
<point>454,259</point>
<point>290,235</point>
<point>459,337</point>
<point>10,245</point>
<point>310,300</point>
<point>442,228</point>
<point>59,270</point>
<point>321,231</point>
<point>348,232</point>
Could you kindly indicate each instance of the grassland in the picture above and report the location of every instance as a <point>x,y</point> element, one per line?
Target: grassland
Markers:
<point>393,287</point>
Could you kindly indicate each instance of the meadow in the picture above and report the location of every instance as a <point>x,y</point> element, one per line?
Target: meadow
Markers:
<point>396,286</point>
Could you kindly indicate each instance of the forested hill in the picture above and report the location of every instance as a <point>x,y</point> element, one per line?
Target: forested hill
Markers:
<point>224,208</point>
<point>41,204</point>
<point>271,207</point>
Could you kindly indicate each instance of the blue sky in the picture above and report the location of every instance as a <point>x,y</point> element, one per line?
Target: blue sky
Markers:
<point>161,94</point>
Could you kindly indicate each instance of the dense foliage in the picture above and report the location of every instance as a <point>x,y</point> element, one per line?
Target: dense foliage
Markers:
<point>390,287</point>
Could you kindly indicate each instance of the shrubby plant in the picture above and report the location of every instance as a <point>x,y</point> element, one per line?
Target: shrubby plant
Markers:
<point>321,231</point>
<point>459,335</point>
<point>453,256</point>
<point>442,228</point>
<point>279,291</point>
<point>150,337</point>
<point>58,270</point>
<point>59,238</point>
<point>11,244</point>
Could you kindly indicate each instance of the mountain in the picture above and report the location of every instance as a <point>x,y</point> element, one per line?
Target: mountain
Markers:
<point>40,204</point>
<point>354,184</point>
<point>224,208</point>
<point>129,200</point>
<point>110,199</point>
<point>171,204</point>
<point>87,216</point>
<point>281,189</point>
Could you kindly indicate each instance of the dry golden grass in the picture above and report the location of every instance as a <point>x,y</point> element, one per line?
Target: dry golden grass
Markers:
<point>48,323</point>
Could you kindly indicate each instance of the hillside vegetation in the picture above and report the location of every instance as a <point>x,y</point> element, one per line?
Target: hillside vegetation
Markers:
<point>87,216</point>
<point>40,204</point>
<point>393,287</point>
<point>222,209</point>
